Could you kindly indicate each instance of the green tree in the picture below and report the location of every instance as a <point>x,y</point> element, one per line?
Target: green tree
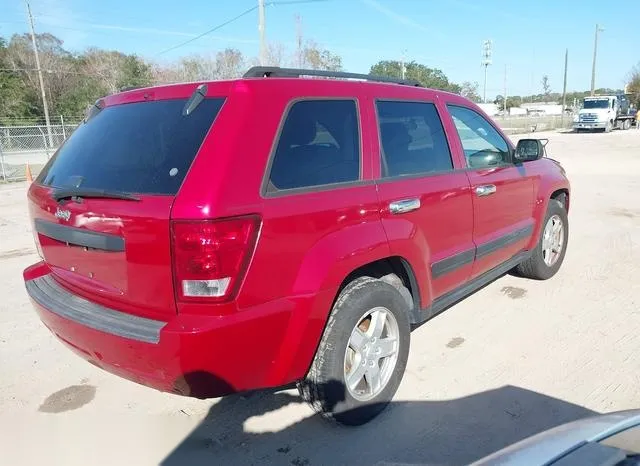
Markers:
<point>16,102</point>
<point>633,88</point>
<point>546,87</point>
<point>317,58</point>
<point>57,65</point>
<point>514,101</point>
<point>429,77</point>
<point>133,72</point>
<point>470,91</point>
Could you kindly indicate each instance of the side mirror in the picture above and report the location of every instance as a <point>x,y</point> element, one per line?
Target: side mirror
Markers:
<point>528,150</point>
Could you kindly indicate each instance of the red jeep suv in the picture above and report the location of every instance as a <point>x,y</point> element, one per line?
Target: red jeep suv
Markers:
<point>287,227</point>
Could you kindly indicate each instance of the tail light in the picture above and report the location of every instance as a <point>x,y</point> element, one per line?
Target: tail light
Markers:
<point>211,257</point>
<point>36,240</point>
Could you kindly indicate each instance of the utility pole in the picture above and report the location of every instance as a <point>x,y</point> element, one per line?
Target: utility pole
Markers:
<point>44,95</point>
<point>299,40</point>
<point>261,26</point>
<point>595,52</point>
<point>504,102</point>
<point>403,69</point>
<point>486,61</point>
<point>564,85</point>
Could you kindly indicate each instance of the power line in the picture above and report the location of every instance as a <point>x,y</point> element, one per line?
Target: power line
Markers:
<point>219,26</point>
<point>235,18</point>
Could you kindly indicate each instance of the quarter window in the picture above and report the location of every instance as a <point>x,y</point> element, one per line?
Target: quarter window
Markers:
<point>482,144</point>
<point>412,139</point>
<point>319,145</point>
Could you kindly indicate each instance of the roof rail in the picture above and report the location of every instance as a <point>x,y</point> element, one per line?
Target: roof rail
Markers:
<point>274,71</point>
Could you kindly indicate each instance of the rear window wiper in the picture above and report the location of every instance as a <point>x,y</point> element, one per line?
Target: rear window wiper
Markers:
<point>78,194</point>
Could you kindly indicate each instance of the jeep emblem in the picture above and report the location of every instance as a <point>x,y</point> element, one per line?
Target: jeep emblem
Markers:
<point>63,214</point>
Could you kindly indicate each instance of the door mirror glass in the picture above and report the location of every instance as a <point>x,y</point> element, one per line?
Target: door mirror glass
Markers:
<point>528,150</point>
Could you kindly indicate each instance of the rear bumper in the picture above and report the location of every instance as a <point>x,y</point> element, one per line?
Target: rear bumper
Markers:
<point>199,356</point>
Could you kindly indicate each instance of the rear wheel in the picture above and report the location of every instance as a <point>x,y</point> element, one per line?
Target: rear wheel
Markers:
<point>362,355</point>
<point>626,124</point>
<point>548,255</point>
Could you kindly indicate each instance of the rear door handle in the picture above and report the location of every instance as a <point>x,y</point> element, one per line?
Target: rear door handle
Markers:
<point>404,206</point>
<point>485,190</point>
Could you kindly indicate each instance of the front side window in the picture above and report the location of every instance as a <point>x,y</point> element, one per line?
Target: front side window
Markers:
<point>319,145</point>
<point>483,146</point>
<point>412,139</point>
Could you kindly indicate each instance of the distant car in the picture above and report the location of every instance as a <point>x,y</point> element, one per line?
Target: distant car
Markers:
<point>219,237</point>
<point>609,439</point>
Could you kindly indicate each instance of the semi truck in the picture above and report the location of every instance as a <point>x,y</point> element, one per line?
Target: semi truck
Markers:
<point>604,113</point>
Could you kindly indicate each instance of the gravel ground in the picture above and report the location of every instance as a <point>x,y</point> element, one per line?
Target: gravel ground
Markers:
<point>517,357</point>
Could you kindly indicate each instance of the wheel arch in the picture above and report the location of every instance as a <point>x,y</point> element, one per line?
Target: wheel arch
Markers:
<point>381,269</point>
<point>561,195</point>
<point>559,192</point>
<point>384,268</point>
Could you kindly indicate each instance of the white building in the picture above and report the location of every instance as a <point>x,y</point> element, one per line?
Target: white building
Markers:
<point>490,109</point>
<point>546,108</point>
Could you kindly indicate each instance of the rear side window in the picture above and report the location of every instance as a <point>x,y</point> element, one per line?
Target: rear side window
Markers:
<point>143,147</point>
<point>319,145</point>
<point>412,139</point>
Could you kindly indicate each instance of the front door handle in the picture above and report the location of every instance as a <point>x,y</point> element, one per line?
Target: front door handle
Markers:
<point>485,189</point>
<point>404,206</point>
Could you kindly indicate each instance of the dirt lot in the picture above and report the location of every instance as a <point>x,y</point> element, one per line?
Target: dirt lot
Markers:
<point>517,357</point>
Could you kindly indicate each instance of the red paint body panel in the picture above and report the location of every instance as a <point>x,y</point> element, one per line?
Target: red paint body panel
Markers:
<point>308,242</point>
<point>138,280</point>
<point>509,209</point>
<point>441,228</point>
<point>224,348</point>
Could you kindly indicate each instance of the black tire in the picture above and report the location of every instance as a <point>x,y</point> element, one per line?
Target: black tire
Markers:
<point>535,267</point>
<point>324,387</point>
<point>608,128</point>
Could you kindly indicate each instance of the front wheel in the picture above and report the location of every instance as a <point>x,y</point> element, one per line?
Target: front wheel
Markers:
<point>362,355</point>
<point>548,255</point>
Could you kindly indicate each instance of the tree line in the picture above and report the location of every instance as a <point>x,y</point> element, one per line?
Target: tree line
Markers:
<point>73,81</point>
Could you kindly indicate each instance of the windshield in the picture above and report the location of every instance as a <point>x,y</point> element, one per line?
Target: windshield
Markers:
<point>143,147</point>
<point>599,103</point>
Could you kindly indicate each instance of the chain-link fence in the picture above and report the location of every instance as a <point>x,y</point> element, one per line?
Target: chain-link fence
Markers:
<point>32,145</point>
<point>530,124</point>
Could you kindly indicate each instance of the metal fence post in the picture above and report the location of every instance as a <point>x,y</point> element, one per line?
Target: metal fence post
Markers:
<point>4,173</point>
<point>64,134</point>
<point>45,145</point>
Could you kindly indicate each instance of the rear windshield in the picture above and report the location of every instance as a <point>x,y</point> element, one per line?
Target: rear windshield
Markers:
<point>144,147</point>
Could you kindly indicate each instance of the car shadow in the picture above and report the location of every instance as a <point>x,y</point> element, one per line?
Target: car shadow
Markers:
<point>443,432</point>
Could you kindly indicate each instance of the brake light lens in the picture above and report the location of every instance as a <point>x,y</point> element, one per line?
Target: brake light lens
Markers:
<point>211,257</point>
